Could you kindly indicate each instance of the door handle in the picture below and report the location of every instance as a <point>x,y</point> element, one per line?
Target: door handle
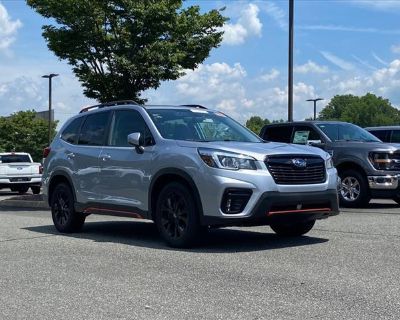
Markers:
<point>70,155</point>
<point>105,157</point>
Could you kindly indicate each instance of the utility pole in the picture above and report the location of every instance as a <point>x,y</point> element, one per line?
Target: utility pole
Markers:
<point>290,71</point>
<point>50,76</point>
<point>315,105</point>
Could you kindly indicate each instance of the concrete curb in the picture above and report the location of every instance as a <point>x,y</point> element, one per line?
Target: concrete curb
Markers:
<point>10,203</point>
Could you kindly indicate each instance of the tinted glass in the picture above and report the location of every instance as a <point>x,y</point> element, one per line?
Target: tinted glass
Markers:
<point>395,136</point>
<point>70,134</point>
<point>94,129</point>
<point>381,134</point>
<point>199,125</point>
<point>124,123</point>
<point>346,132</point>
<point>14,158</point>
<point>278,134</point>
<point>304,134</point>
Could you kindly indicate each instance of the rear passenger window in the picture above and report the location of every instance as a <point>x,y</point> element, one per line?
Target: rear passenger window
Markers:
<point>70,133</point>
<point>278,134</point>
<point>383,135</point>
<point>395,136</point>
<point>93,131</point>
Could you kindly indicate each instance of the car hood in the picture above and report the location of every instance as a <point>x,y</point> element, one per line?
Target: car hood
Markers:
<point>369,146</point>
<point>256,150</point>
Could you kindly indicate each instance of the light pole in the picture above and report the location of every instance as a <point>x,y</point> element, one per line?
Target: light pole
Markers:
<point>315,105</point>
<point>290,65</point>
<point>50,76</point>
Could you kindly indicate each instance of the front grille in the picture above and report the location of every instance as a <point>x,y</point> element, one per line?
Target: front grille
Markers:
<point>296,169</point>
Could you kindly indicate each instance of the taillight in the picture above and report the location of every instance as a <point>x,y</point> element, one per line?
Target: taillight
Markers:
<point>46,152</point>
<point>40,169</point>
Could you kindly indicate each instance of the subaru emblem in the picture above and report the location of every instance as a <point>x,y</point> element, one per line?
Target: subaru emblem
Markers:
<point>299,163</point>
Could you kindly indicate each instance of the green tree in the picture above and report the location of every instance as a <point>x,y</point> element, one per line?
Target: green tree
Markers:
<point>255,124</point>
<point>23,132</point>
<point>119,48</point>
<point>367,110</point>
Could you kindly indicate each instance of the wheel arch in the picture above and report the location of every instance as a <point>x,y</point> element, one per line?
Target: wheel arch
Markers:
<point>165,176</point>
<point>351,165</point>
<point>56,178</point>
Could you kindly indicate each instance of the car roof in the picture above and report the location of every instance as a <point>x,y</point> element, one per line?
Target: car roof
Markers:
<point>383,128</point>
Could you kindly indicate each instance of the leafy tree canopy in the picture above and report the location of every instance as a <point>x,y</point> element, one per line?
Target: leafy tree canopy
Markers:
<point>23,132</point>
<point>119,48</point>
<point>368,110</point>
<point>255,123</point>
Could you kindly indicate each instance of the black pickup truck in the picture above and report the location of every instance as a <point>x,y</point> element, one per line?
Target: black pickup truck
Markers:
<point>367,167</point>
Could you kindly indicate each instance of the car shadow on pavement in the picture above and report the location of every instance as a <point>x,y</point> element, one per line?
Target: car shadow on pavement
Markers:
<point>144,234</point>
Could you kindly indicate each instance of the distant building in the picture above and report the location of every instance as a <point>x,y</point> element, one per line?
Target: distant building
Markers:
<point>45,115</point>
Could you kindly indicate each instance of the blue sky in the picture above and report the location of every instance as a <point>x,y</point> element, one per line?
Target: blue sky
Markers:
<point>340,47</point>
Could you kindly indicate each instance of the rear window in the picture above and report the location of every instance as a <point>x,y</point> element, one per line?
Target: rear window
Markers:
<point>395,136</point>
<point>278,134</point>
<point>14,158</point>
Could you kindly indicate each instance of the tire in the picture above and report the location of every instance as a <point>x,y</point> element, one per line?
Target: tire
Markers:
<point>354,191</point>
<point>65,218</point>
<point>23,190</point>
<point>177,217</point>
<point>35,190</point>
<point>293,230</point>
<point>13,189</point>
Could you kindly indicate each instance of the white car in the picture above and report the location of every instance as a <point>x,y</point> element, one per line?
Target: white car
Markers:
<point>18,172</point>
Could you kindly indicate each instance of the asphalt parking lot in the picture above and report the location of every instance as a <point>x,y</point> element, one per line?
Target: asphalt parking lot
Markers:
<point>346,268</point>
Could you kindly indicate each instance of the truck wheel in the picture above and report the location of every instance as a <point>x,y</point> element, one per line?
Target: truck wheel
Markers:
<point>176,216</point>
<point>35,190</point>
<point>354,192</point>
<point>293,230</point>
<point>23,190</point>
<point>65,218</point>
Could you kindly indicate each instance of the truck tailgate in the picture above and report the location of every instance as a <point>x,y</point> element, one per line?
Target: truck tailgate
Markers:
<point>18,169</point>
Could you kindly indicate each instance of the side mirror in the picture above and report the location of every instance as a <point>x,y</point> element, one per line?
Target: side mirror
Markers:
<point>134,140</point>
<point>316,143</point>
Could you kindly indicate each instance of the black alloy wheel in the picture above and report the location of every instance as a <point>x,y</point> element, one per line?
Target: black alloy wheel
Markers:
<point>176,216</point>
<point>65,218</point>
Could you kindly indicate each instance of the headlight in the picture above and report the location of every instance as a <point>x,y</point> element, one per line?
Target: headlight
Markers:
<point>329,163</point>
<point>226,160</point>
<point>384,161</point>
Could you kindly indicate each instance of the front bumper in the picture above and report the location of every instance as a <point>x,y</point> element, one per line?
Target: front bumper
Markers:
<point>387,182</point>
<point>273,207</point>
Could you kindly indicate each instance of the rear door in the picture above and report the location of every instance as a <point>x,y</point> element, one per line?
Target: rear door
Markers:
<point>85,156</point>
<point>125,172</point>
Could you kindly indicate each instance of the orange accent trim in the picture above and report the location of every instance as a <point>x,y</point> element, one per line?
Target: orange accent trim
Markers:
<point>299,211</point>
<point>129,213</point>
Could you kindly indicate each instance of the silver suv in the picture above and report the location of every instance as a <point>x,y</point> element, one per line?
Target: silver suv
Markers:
<point>186,168</point>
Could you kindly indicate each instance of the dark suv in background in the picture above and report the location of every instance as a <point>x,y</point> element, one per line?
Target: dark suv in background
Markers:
<point>386,134</point>
<point>368,167</point>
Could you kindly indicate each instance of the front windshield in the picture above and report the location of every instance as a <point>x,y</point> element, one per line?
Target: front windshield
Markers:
<point>199,125</point>
<point>346,132</point>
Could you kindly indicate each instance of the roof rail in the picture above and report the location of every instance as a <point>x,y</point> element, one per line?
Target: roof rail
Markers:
<point>109,104</point>
<point>193,106</point>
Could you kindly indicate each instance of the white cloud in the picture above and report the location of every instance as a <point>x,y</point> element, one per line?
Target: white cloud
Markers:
<point>381,5</point>
<point>272,75</point>
<point>395,48</point>
<point>339,62</point>
<point>276,13</point>
<point>363,62</point>
<point>310,67</point>
<point>8,29</point>
<point>379,59</point>
<point>332,27</point>
<point>246,26</point>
